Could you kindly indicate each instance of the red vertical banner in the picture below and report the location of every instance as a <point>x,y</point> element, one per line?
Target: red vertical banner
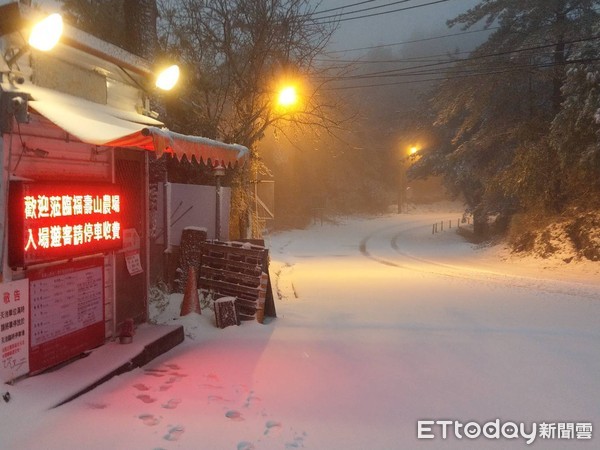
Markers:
<point>66,311</point>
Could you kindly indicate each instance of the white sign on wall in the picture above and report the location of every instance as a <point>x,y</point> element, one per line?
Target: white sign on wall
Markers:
<point>67,311</point>
<point>65,303</point>
<point>14,329</point>
<point>190,205</point>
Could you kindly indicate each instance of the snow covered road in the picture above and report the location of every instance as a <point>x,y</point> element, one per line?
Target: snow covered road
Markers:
<point>381,324</point>
<point>463,335</point>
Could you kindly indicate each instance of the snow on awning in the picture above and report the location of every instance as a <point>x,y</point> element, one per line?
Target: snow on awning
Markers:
<point>162,140</point>
<point>104,125</point>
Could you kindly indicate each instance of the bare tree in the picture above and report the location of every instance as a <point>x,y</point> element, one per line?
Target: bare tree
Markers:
<point>237,55</point>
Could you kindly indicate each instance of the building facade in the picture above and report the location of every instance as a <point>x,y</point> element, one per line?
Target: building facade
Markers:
<point>76,135</point>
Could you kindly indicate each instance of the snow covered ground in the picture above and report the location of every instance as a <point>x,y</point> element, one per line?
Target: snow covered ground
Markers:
<point>380,324</point>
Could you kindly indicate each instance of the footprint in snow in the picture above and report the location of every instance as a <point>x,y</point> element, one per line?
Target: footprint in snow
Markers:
<point>210,386</point>
<point>244,445</point>
<point>272,425</point>
<point>146,398</point>
<point>178,375</point>
<point>216,398</point>
<point>96,405</point>
<point>174,433</point>
<point>173,366</point>
<point>141,387</point>
<point>298,442</point>
<point>149,419</point>
<point>172,380</point>
<point>234,415</point>
<point>251,397</point>
<point>155,372</point>
<point>212,376</point>
<point>172,404</point>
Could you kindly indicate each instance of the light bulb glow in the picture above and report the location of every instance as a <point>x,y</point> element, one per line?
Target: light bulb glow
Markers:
<point>288,96</point>
<point>46,33</point>
<point>167,79</point>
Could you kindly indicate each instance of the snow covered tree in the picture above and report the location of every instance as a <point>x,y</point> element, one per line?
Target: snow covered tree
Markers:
<point>499,103</point>
<point>575,131</point>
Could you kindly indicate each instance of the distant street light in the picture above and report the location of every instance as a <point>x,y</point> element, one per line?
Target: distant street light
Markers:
<point>403,193</point>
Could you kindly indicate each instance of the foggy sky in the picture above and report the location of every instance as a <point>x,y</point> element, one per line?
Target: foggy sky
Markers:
<point>395,27</point>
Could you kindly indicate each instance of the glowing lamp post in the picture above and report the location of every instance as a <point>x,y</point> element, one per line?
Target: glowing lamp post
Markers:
<point>402,191</point>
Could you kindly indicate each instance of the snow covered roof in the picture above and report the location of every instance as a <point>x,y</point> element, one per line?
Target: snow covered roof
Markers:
<point>105,125</point>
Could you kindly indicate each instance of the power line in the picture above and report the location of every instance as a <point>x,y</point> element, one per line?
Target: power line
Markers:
<point>317,20</point>
<point>404,61</point>
<point>471,58</point>
<point>371,8</point>
<point>414,41</point>
<point>463,75</point>
<point>475,70</point>
<point>342,7</point>
<point>418,40</point>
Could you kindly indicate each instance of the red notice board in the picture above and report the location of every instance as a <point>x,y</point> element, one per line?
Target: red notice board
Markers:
<point>66,311</point>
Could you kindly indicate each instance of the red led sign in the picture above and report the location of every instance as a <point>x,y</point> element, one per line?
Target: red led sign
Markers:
<point>50,221</point>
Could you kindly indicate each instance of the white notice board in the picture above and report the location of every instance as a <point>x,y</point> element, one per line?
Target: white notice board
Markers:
<point>14,330</point>
<point>67,311</point>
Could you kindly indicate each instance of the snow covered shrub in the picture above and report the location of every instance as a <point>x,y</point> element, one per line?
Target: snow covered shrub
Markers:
<point>521,236</point>
<point>572,235</point>
<point>554,241</point>
<point>206,300</point>
<point>158,300</point>
<point>584,232</point>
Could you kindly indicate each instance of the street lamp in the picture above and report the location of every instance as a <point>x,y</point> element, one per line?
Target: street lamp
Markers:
<point>288,97</point>
<point>411,154</point>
